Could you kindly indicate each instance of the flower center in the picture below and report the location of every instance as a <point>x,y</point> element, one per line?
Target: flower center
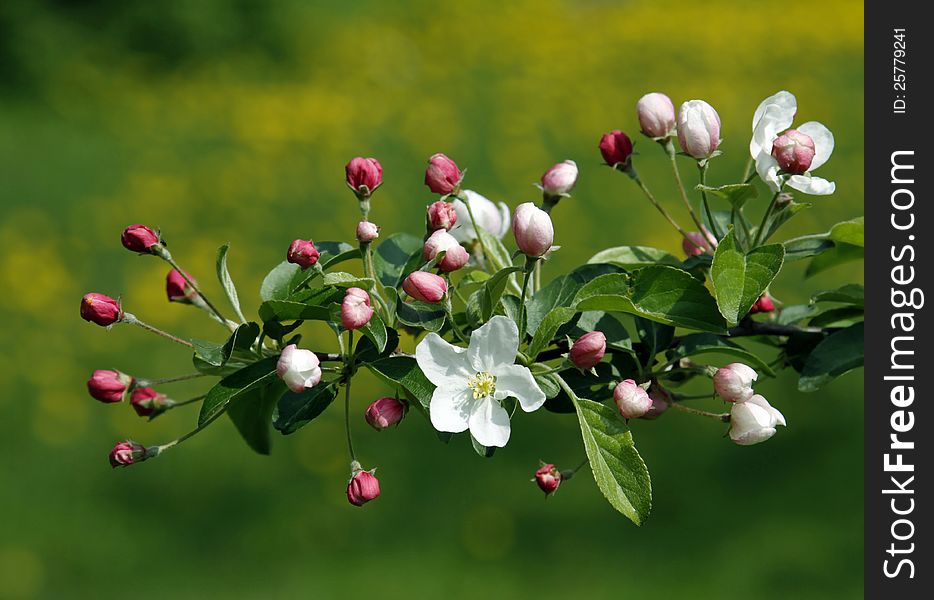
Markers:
<point>483,384</point>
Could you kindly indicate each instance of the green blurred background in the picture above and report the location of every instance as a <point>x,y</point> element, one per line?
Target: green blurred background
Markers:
<point>231,121</point>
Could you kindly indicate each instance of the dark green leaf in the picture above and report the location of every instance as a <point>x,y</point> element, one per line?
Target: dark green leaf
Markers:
<point>404,371</point>
<point>217,355</point>
<point>838,317</point>
<point>493,289</point>
<point>852,293</point>
<point>480,449</point>
<point>366,352</point>
<point>256,375</point>
<point>276,284</point>
<point>546,331</point>
<point>331,254</point>
<point>429,317</point>
<point>617,338</point>
<point>736,193</point>
<point>739,279</point>
<point>840,254</point>
<point>656,337</point>
<point>347,280</point>
<point>251,413</point>
<point>806,247</point>
<point>705,343</point>
<point>375,331</point>
<point>839,353</point>
<point>848,232</point>
<point>561,292</point>
<point>630,257</point>
<point>285,310</point>
<point>781,216</point>
<point>223,275</point>
<point>295,410</point>
<point>395,257</point>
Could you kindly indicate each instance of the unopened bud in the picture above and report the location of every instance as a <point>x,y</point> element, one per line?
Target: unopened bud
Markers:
<point>100,309</point>
<point>733,382</point>
<point>764,304</point>
<point>363,175</point>
<point>560,179</point>
<point>147,402</point>
<point>109,386</point>
<point>656,115</point>
<point>363,487</point>
<point>128,453</point>
<point>140,238</point>
<point>442,175</point>
<point>793,151</point>
<point>441,215</point>
<point>616,148</point>
<point>303,253</point>
<point>631,399</point>
<point>367,232</point>
<point>177,288</point>
<point>588,350</point>
<point>699,243</point>
<point>355,309</point>
<point>384,413</point>
<point>298,368</point>
<point>698,129</point>
<point>455,255</point>
<point>548,478</point>
<point>754,421</point>
<point>426,287</point>
<point>533,230</point>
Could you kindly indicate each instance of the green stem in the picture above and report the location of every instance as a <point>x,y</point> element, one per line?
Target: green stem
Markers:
<point>670,150</point>
<point>703,180</point>
<point>140,382</point>
<point>189,401</point>
<point>131,319</point>
<point>631,171</point>
<point>348,363</point>
<point>192,433</point>
<point>724,417</point>
<point>529,270</point>
<point>487,257</point>
<point>760,239</point>
<point>168,258</point>
<point>747,171</point>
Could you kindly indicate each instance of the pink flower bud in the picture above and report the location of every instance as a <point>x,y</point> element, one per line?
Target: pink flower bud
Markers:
<point>139,238</point>
<point>560,179</point>
<point>177,288</point>
<point>127,453</point>
<point>441,215</point>
<point>302,253</point>
<point>548,478</point>
<point>631,400</point>
<point>754,421</point>
<point>661,401</point>
<point>764,304</point>
<point>363,487</point>
<point>355,309</point>
<point>702,242</point>
<point>698,129</point>
<point>426,287</point>
<point>532,229</point>
<point>455,256</point>
<point>616,148</point>
<point>733,382</point>
<point>109,386</point>
<point>794,151</point>
<point>100,309</point>
<point>588,350</point>
<point>384,413</point>
<point>367,232</point>
<point>148,402</point>
<point>298,368</point>
<point>656,115</point>
<point>364,175</point>
<point>442,175</point>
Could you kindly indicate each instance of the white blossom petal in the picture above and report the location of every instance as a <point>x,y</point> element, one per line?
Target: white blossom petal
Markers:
<point>816,186</point>
<point>489,423</point>
<point>767,168</point>
<point>504,218</point>
<point>450,409</point>
<point>444,364</point>
<point>781,108</point>
<point>775,417</point>
<point>489,216</point>
<point>823,142</point>
<point>516,381</point>
<point>494,344</point>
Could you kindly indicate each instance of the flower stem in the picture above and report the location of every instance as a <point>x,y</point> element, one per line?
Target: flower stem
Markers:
<point>129,318</point>
<point>529,271</point>
<point>190,434</point>
<point>724,417</point>
<point>140,382</point>
<point>703,180</point>
<point>760,238</point>
<point>168,258</point>
<point>747,171</point>
<point>487,257</point>
<point>348,362</point>
<point>670,150</point>
<point>631,171</point>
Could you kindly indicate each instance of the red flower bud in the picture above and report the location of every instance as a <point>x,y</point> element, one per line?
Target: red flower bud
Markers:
<point>631,399</point>
<point>367,232</point>
<point>425,286</point>
<point>616,148</point>
<point>364,175</point>
<point>127,453</point>
<point>148,402</point>
<point>588,350</point>
<point>764,304</point>
<point>363,487</point>
<point>661,401</point>
<point>100,309</point>
<point>441,215</point>
<point>548,479</point>
<point>139,238</point>
<point>699,243</point>
<point>794,151</point>
<point>384,413</point>
<point>177,289</point>
<point>302,253</point>
<point>442,175</point>
<point>108,386</point>
<point>455,256</point>
<point>355,309</point>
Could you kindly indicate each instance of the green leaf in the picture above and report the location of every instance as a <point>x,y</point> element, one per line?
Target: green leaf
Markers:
<point>223,275</point>
<point>548,328</point>
<point>251,413</point>
<point>659,293</point>
<point>429,317</point>
<point>217,355</point>
<point>851,293</point>
<point>705,343</point>
<point>493,289</point>
<point>837,354</point>
<point>630,257</point>
<point>655,336</point>
<point>276,284</point>
<point>617,337</point>
<point>480,449</point>
<point>561,292</point>
<point>843,316</point>
<point>251,377</point>
<point>295,410</point>
<point>404,371</point>
<point>739,279</point>
<point>848,232</point>
<point>780,217</point>
<point>347,280</point>
<point>396,257</point>
<point>840,254</point>
<point>333,253</point>
<point>805,247</point>
<point>285,310</point>
<point>375,331</point>
<point>617,468</point>
<point>736,193</point>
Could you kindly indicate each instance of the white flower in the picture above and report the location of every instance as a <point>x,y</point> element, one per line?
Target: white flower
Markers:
<point>774,115</point>
<point>298,368</point>
<point>492,217</point>
<point>472,382</point>
<point>754,421</point>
